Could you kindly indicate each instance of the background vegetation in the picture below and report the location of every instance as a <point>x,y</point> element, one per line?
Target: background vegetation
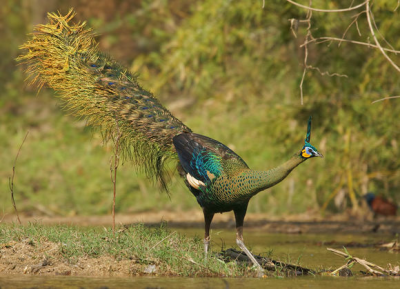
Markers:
<point>229,70</point>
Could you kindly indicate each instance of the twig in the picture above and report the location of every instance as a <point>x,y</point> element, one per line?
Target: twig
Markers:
<point>308,36</point>
<point>371,267</point>
<point>294,25</point>
<point>3,216</point>
<point>339,253</point>
<point>370,20</point>
<point>325,39</point>
<point>347,265</point>
<point>327,10</point>
<point>326,72</point>
<point>169,236</point>
<point>190,259</point>
<point>389,97</point>
<point>354,21</point>
<point>114,168</point>
<point>11,179</point>
<point>372,27</point>
<point>380,34</point>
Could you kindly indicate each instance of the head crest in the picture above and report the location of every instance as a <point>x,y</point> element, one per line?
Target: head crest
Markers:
<point>308,150</point>
<point>308,136</point>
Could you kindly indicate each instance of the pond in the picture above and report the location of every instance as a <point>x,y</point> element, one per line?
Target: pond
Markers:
<point>309,249</point>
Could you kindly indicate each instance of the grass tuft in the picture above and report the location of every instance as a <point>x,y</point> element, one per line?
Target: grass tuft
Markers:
<point>138,249</point>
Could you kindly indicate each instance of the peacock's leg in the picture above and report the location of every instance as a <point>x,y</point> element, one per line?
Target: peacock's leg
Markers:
<point>207,221</point>
<point>239,216</point>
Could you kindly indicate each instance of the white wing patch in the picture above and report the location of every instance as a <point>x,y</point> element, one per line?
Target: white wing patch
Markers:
<point>194,182</point>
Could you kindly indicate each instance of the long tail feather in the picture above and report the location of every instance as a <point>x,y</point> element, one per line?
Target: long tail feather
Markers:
<point>66,58</point>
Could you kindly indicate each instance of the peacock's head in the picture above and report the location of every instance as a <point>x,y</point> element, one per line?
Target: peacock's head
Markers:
<point>308,151</point>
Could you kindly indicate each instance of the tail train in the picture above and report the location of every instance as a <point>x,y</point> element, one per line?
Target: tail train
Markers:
<point>65,57</point>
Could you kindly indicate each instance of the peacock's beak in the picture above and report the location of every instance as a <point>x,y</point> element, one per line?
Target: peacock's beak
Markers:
<point>318,154</point>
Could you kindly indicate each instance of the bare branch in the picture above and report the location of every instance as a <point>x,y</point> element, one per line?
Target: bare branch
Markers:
<point>308,36</point>
<point>372,27</point>
<point>326,72</point>
<point>328,10</point>
<point>380,34</point>
<point>326,39</point>
<point>301,83</point>
<point>371,267</point>
<point>294,26</point>
<point>370,20</point>
<point>347,265</point>
<point>351,24</point>
<point>114,166</point>
<point>385,98</point>
<point>11,179</point>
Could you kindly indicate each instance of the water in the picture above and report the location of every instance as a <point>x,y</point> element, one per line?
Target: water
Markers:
<point>189,283</point>
<point>310,249</point>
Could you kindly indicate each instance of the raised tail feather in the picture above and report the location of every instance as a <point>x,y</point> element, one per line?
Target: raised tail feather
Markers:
<point>65,57</point>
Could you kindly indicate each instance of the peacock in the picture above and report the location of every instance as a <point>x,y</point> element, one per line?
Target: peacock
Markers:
<point>92,85</point>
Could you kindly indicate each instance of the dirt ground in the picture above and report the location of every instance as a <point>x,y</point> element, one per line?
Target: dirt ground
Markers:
<point>309,222</point>
<point>25,258</point>
<point>21,258</point>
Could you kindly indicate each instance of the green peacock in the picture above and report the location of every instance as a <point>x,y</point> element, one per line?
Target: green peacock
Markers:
<point>66,57</point>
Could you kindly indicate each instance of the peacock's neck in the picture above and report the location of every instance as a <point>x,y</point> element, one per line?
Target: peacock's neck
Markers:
<point>261,180</point>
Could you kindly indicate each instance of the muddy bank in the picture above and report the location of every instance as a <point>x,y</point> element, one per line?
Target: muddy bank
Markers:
<point>17,258</point>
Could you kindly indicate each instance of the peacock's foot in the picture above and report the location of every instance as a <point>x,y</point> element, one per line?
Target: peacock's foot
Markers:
<point>260,273</point>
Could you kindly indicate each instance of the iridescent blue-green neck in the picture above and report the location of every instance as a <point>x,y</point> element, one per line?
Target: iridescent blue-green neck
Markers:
<point>262,180</point>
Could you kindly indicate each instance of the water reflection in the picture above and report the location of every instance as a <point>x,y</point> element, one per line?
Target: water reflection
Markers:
<point>192,283</point>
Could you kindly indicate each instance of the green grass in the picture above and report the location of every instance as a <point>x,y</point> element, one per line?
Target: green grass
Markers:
<point>172,253</point>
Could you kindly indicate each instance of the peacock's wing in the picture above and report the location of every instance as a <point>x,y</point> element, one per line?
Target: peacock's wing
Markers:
<point>206,159</point>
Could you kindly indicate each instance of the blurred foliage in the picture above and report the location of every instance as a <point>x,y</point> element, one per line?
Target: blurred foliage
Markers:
<point>228,69</point>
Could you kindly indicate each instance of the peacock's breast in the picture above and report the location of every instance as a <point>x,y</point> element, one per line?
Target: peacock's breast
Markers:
<point>225,194</point>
